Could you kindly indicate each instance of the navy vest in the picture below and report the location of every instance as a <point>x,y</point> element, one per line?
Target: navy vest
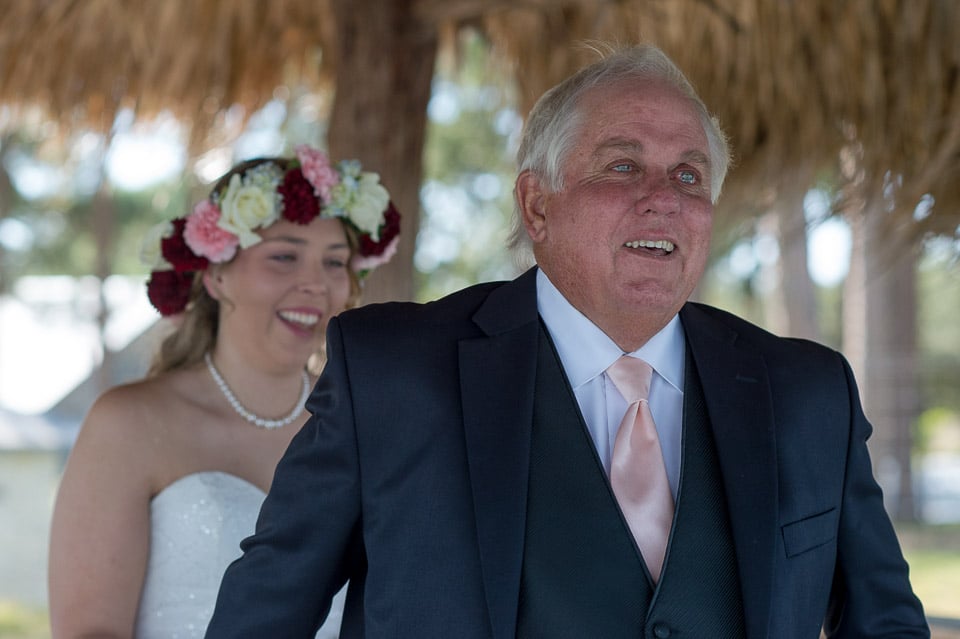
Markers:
<point>583,575</point>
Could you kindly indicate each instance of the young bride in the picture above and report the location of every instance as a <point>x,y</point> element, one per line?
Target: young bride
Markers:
<point>167,474</point>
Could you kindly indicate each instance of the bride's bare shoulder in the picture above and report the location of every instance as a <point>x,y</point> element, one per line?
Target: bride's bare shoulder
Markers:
<point>151,404</point>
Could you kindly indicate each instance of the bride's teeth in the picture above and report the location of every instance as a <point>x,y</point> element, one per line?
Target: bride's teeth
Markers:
<point>665,245</point>
<point>308,319</point>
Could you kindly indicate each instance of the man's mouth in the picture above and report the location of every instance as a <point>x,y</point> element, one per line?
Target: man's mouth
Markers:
<point>663,245</point>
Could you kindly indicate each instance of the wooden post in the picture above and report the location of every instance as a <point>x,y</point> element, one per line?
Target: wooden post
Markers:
<point>384,62</point>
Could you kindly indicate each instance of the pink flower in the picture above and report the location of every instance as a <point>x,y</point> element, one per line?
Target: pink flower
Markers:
<point>316,168</point>
<point>205,238</point>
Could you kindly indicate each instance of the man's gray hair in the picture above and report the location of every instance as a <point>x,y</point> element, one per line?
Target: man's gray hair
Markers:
<point>554,122</point>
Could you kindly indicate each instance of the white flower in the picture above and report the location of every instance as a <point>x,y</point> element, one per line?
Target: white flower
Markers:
<point>369,203</point>
<point>360,198</point>
<point>246,205</point>
<point>349,168</point>
<point>150,251</point>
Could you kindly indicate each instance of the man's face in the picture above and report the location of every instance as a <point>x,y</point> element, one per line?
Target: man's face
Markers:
<point>627,238</point>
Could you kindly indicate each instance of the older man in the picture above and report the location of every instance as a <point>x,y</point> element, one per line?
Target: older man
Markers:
<point>582,452</point>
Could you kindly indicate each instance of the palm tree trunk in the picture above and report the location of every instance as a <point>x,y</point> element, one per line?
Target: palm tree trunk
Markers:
<point>104,221</point>
<point>793,307</point>
<point>880,337</point>
<point>385,61</point>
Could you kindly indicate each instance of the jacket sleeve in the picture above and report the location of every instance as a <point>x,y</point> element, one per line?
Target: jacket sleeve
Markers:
<point>871,594</point>
<point>306,541</point>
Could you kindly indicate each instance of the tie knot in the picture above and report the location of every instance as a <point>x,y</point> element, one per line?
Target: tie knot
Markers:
<point>632,377</point>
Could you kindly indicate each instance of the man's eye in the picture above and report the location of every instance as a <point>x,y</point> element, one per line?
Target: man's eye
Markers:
<point>623,168</point>
<point>687,177</point>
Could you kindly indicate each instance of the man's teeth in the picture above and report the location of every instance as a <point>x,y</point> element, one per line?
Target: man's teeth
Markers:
<point>307,319</point>
<point>666,245</point>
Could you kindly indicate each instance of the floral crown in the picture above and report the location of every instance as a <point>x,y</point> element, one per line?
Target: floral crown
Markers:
<point>298,190</point>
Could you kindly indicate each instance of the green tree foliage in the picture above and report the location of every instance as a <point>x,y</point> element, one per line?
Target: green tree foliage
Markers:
<point>467,194</point>
<point>938,327</point>
<point>59,232</point>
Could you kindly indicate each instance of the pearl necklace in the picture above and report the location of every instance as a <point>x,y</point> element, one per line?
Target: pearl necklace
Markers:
<point>253,418</point>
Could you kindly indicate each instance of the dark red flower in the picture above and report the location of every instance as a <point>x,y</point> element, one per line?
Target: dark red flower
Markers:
<point>175,250</point>
<point>300,205</point>
<point>169,291</point>
<point>388,230</point>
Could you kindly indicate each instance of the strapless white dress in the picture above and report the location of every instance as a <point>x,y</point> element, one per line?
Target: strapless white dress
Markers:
<point>196,525</point>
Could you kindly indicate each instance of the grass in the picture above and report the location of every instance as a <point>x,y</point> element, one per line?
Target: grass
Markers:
<point>933,553</point>
<point>22,622</point>
<point>936,580</point>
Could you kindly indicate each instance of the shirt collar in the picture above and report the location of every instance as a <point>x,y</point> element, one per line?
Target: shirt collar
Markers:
<point>586,351</point>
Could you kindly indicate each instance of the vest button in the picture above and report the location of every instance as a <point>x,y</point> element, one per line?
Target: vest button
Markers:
<point>661,631</point>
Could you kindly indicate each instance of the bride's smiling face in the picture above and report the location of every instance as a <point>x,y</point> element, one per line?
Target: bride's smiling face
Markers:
<point>277,296</point>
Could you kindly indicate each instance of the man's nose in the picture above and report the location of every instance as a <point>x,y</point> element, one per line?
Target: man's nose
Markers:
<point>658,195</point>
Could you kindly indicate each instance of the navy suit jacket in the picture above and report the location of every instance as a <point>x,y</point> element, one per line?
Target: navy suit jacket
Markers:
<point>409,480</point>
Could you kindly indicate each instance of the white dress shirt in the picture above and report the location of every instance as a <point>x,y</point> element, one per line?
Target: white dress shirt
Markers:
<point>586,352</point>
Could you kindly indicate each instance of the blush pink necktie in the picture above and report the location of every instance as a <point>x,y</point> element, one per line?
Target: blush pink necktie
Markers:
<point>637,473</point>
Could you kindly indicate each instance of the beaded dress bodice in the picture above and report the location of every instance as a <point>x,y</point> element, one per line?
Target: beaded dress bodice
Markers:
<point>197,523</point>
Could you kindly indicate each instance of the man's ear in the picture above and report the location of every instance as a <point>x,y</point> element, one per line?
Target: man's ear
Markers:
<point>531,200</point>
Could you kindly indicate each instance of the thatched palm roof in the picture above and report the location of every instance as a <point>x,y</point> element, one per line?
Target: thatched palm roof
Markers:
<point>793,82</point>
<point>81,62</point>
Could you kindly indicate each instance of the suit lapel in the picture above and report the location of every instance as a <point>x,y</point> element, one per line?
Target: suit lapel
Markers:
<point>497,374</point>
<point>737,392</point>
